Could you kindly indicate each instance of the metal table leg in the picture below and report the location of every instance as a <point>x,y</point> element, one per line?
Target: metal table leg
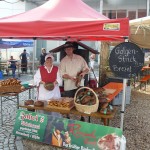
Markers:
<point>17,101</point>
<point>89,119</point>
<point>1,112</point>
<point>29,93</point>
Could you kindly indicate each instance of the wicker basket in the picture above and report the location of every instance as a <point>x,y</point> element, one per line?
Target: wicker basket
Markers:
<point>10,89</point>
<point>86,108</point>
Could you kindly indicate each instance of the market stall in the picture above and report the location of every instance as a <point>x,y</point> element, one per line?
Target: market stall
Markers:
<point>77,22</point>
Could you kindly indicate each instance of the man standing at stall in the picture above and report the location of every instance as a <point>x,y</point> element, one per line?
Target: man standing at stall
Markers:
<point>24,60</point>
<point>11,65</point>
<point>71,65</point>
<point>42,56</point>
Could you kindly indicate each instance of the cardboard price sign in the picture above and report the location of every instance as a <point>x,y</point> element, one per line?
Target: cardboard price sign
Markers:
<point>126,60</point>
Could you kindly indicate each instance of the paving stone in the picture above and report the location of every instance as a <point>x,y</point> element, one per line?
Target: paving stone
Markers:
<point>19,145</point>
<point>13,136</point>
<point>12,148</point>
<point>5,143</point>
<point>2,140</point>
<point>1,130</point>
<point>6,148</point>
<point>11,141</point>
<point>4,136</point>
<point>6,140</point>
<point>11,144</point>
<point>1,134</point>
<point>18,138</point>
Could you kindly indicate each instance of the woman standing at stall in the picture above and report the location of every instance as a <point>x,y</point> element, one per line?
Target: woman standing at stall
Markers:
<point>48,73</point>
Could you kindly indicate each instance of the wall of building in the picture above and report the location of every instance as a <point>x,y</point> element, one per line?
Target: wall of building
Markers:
<point>11,7</point>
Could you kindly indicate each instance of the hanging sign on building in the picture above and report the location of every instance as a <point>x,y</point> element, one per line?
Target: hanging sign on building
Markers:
<point>126,60</point>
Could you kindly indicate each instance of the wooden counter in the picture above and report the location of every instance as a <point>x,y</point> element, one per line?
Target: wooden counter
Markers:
<point>98,115</point>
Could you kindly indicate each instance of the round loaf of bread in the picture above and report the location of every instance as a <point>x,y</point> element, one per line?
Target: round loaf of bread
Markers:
<point>49,86</point>
<point>29,102</point>
<point>39,104</point>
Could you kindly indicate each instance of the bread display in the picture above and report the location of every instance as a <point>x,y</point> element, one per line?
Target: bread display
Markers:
<point>103,99</point>
<point>10,85</point>
<point>29,102</point>
<point>85,98</point>
<point>64,102</point>
<point>38,103</point>
<point>104,105</point>
<point>102,94</point>
<point>105,108</point>
<point>86,102</point>
<point>9,82</point>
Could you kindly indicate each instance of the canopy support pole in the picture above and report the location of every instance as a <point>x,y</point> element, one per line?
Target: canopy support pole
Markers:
<point>147,13</point>
<point>34,50</point>
<point>101,7</point>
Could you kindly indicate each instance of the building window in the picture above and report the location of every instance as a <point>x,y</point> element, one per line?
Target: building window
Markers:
<point>105,13</point>
<point>112,14</point>
<point>131,14</point>
<point>141,13</point>
<point>121,13</point>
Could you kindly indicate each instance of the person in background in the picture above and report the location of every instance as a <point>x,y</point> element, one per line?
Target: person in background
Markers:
<point>12,65</point>
<point>92,60</point>
<point>42,56</point>
<point>70,66</point>
<point>93,80</point>
<point>48,73</point>
<point>24,60</point>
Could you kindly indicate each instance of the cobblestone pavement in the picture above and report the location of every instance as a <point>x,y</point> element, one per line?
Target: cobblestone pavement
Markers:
<point>7,140</point>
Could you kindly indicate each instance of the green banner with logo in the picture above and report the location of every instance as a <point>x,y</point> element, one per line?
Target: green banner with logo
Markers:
<point>67,133</point>
<point>30,125</point>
